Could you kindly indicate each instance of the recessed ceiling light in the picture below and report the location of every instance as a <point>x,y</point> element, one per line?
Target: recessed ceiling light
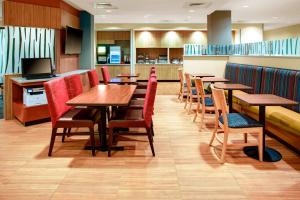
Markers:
<point>103,16</point>
<point>147,16</point>
<point>245,6</point>
<point>275,17</point>
<point>108,11</point>
<point>191,11</point>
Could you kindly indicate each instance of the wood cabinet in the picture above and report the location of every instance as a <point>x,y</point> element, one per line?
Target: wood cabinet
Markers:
<point>169,39</point>
<point>108,37</point>
<point>165,72</point>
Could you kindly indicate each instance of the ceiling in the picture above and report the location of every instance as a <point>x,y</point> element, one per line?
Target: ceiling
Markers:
<point>272,13</point>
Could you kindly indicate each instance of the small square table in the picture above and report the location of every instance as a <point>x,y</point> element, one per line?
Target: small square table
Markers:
<point>230,87</point>
<point>123,80</point>
<point>214,79</point>
<point>128,75</point>
<point>263,100</point>
<point>102,96</point>
<point>202,75</point>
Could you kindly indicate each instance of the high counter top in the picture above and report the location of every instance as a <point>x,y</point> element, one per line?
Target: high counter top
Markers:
<point>21,80</point>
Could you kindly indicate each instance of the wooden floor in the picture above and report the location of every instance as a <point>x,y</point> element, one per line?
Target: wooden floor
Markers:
<point>185,166</point>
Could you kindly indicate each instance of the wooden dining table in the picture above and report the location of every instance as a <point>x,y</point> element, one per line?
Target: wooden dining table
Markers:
<point>123,80</point>
<point>202,75</point>
<point>263,100</point>
<point>128,75</point>
<point>230,87</point>
<point>101,97</point>
<point>214,79</point>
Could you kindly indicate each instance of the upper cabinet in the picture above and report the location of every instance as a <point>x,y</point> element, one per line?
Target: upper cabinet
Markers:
<point>109,37</point>
<point>168,39</point>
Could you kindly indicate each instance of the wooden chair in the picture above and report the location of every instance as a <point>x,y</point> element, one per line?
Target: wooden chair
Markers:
<point>66,117</point>
<point>182,90</point>
<point>136,118</point>
<point>191,93</point>
<point>93,78</point>
<point>205,102</point>
<point>105,75</point>
<point>233,123</point>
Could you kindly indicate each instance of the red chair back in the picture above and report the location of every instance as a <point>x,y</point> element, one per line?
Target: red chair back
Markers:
<point>57,96</point>
<point>105,75</point>
<point>93,78</point>
<point>149,101</point>
<point>74,85</point>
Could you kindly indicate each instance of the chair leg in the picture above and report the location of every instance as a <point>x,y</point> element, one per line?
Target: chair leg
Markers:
<point>69,131</point>
<point>245,137</point>
<point>190,107</point>
<point>53,135</point>
<point>224,148</point>
<point>186,101</point>
<point>110,141</point>
<point>197,111</point>
<point>64,135</point>
<point>152,129</point>
<point>213,137</point>
<point>92,138</point>
<point>202,117</point>
<point>150,138</point>
<point>260,146</point>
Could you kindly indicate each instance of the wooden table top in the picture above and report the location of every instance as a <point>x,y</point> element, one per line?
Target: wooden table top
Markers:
<point>201,75</point>
<point>123,80</point>
<point>232,86</point>
<point>214,79</point>
<point>128,75</point>
<point>105,95</point>
<point>265,100</point>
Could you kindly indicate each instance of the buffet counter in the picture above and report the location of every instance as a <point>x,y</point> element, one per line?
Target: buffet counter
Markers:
<point>165,72</point>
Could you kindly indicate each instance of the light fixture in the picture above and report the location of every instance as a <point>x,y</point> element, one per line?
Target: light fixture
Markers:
<point>147,16</point>
<point>191,11</point>
<point>245,6</point>
<point>275,17</point>
<point>108,11</point>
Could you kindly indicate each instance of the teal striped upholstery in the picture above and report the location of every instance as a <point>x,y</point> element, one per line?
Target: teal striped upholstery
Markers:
<point>268,80</point>
<point>244,74</point>
<point>296,96</point>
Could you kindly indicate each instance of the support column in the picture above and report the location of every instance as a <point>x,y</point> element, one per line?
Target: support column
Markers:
<point>219,28</point>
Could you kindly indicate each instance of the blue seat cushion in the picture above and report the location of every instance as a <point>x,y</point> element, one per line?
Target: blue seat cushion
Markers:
<point>237,120</point>
<point>209,101</point>
<point>194,91</point>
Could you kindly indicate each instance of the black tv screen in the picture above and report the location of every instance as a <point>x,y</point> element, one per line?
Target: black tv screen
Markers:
<point>35,67</point>
<point>73,41</point>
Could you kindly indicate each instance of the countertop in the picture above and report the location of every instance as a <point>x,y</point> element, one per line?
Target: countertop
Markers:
<point>22,80</point>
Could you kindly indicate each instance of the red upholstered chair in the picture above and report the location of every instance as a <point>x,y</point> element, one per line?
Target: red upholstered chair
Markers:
<point>74,85</point>
<point>105,75</point>
<point>136,118</point>
<point>144,84</point>
<point>66,117</point>
<point>140,92</point>
<point>93,78</point>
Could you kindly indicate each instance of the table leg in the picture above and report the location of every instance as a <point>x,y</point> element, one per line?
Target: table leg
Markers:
<point>230,101</point>
<point>269,154</point>
<point>102,132</point>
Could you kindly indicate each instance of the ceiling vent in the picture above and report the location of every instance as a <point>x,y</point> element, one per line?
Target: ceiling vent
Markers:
<point>197,4</point>
<point>105,5</point>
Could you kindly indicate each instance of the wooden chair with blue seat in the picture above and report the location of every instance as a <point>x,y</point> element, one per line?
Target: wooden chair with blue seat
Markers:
<point>233,123</point>
<point>191,96</point>
<point>204,101</point>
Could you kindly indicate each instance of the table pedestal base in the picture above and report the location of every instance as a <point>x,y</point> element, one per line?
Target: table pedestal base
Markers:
<point>105,148</point>
<point>270,155</point>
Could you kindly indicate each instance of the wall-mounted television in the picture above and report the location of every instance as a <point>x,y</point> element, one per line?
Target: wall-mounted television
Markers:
<point>34,68</point>
<point>73,40</point>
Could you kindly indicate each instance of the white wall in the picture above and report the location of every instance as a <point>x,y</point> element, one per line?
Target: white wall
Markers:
<point>214,65</point>
<point>248,33</point>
